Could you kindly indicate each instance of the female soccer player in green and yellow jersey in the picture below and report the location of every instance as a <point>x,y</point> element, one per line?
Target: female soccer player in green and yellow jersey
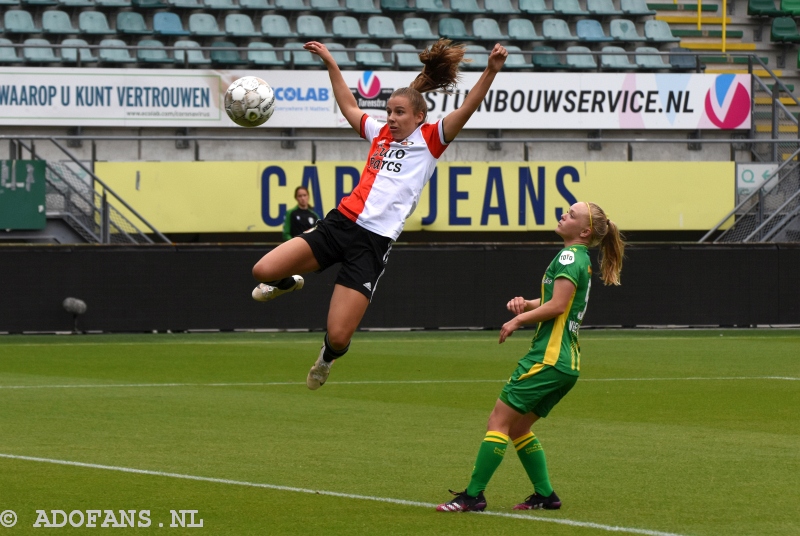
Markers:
<point>551,367</point>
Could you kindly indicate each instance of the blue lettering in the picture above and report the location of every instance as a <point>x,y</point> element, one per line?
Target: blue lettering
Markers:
<point>537,201</point>
<point>494,181</point>
<point>562,188</point>
<point>290,94</point>
<point>205,98</point>
<point>265,215</point>
<point>323,94</point>
<point>455,195</point>
<point>433,204</point>
<point>341,171</point>
<point>65,95</point>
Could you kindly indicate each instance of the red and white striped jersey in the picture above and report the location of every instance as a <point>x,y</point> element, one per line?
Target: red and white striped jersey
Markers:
<point>393,178</point>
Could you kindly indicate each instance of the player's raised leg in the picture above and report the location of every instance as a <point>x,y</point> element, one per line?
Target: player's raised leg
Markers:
<point>277,269</point>
<point>344,315</point>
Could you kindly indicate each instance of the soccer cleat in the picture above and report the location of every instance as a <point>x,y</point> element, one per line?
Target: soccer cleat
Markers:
<point>264,292</point>
<point>536,501</point>
<point>463,503</point>
<point>318,374</point>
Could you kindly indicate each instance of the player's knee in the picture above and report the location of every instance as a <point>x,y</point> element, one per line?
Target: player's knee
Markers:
<point>261,273</point>
<point>338,339</point>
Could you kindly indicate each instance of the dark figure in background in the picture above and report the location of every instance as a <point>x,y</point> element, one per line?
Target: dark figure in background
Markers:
<point>301,218</point>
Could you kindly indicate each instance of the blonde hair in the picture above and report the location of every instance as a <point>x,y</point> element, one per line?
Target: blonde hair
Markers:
<point>440,73</point>
<point>612,244</point>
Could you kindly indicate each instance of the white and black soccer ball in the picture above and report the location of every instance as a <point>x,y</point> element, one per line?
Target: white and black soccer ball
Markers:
<point>249,101</point>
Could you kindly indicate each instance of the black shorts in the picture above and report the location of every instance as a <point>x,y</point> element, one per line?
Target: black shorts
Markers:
<point>363,254</point>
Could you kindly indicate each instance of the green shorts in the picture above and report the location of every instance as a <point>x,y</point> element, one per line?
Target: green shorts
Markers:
<point>539,389</point>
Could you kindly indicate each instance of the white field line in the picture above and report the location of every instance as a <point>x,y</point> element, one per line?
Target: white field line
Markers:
<point>425,340</point>
<point>378,382</point>
<point>582,524</point>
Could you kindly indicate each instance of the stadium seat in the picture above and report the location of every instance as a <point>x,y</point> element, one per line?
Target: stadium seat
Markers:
<point>188,53</point>
<point>148,54</point>
<point>763,8</point>
<point>9,3</point>
<point>591,30</point>
<point>290,5</point>
<point>340,55</point>
<point>602,8</point>
<point>476,58</point>
<point>658,31</point>
<point>225,57</point>
<point>578,59</point>
<point>465,6</point>
<point>132,23</point>
<point>636,8</point>
<point>257,5</point>
<point>39,3</point>
<point>300,57</point>
<point>398,6</point>
<point>500,7</point>
<point>185,4</point>
<point>534,7</point>
<point>625,30</point>
<point>312,27</point>
<point>148,4</point>
<point>19,21</point>
<point>370,57</point>
<point>57,22</point>
<point>76,3</point>
<point>345,27</point>
<point>557,30</point>
<point>522,30</point>
<point>361,6</point>
<point>113,3</point>
<point>238,25</point>
<point>222,5</point>
<point>415,29</point>
<point>94,23</point>
<point>165,23</point>
<point>615,58</point>
<point>114,55</point>
<point>516,61</point>
<point>789,7</point>
<point>568,8</point>
<point>39,51</point>
<point>431,6</point>
<point>263,54</point>
<point>784,29</point>
<point>276,26</point>
<point>382,28</point>
<point>650,58</point>
<point>81,51</point>
<point>546,61</point>
<point>486,29</point>
<point>453,29</point>
<point>405,56</point>
<point>8,53</point>
<point>326,5</point>
<point>204,24</point>
<point>681,61</point>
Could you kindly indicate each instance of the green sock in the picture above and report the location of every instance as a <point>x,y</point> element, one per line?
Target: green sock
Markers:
<point>491,453</point>
<point>531,455</point>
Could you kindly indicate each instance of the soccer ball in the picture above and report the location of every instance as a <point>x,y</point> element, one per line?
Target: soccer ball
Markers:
<point>249,102</point>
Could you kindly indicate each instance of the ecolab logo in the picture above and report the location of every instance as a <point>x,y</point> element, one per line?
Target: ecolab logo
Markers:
<point>727,102</point>
<point>369,94</point>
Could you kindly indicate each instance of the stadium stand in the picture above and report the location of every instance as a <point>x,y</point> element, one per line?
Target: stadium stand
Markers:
<point>406,56</point>
<point>311,27</point>
<point>203,24</point>
<point>500,7</point>
<point>185,4</point>
<point>189,53</point>
<point>112,52</point>
<point>431,7</point>
<point>602,8</point>
<point>57,22</point>
<point>165,23</point>
<point>152,51</point>
<point>369,55</point>
<point>379,27</point>
<point>94,23</point>
<point>522,30</point>
<point>486,29</point>
<point>276,26</point>
<point>365,7</point>
<point>535,7</point>
<point>19,21</point>
<point>256,5</point>
<point>546,61</point>
<point>238,25</point>
<point>516,60</point>
<point>38,51</point>
<point>8,54</point>
<point>658,31</point>
<point>568,8</point>
<point>225,57</point>
<point>476,58</point>
<point>615,58</point>
<point>454,29</point>
<point>81,54</point>
<point>341,56</point>
<point>221,5</point>
<point>299,57</point>
<point>763,8</point>
<point>625,30</point>
<point>399,6</point>
<point>557,30</point>
<point>636,8</point>
<point>417,29</point>
<point>132,23</point>
<point>345,27</point>
<point>263,55</point>
<point>332,6</point>
<point>579,60</point>
<point>648,58</point>
<point>591,30</point>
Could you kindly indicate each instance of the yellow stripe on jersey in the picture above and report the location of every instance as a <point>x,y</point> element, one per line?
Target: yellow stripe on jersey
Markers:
<point>496,437</point>
<point>554,344</point>
<point>534,369</point>
<point>523,438</point>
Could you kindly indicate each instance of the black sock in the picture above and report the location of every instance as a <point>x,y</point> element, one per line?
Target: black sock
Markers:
<point>329,354</point>
<point>284,284</point>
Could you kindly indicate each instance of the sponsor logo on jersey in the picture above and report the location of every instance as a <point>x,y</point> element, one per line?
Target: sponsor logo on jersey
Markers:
<point>368,286</point>
<point>567,257</point>
<point>547,281</point>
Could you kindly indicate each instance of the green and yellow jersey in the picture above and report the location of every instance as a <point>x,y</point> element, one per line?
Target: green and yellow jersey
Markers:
<point>556,340</point>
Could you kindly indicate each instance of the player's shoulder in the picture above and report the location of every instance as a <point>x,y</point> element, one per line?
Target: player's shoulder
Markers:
<point>573,255</point>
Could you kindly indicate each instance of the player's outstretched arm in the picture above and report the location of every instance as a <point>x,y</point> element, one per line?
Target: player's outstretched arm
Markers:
<point>345,100</point>
<point>563,289</point>
<point>456,120</point>
<point>519,305</point>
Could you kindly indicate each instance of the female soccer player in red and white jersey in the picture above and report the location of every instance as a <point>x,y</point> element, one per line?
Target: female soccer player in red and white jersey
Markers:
<point>360,232</point>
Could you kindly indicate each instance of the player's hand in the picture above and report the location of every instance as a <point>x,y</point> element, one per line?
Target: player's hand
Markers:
<point>516,305</point>
<point>320,50</point>
<point>508,329</point>
<point>497,58</point>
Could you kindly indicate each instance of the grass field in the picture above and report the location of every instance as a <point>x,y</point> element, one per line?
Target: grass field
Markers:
<point>678,432</point>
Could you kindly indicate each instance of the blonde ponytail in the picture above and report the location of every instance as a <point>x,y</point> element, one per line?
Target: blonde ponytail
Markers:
<point>612,244</point>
